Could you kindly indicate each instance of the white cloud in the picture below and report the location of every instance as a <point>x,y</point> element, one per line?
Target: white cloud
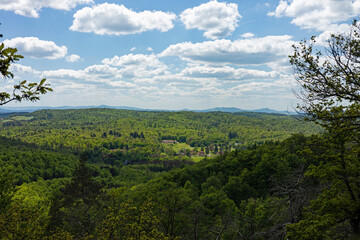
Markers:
<point>64,74</point>
<point>102,71</point>
<point>217,19</point>
<point>255,51</point>
<point>318,15</point>
<point>36,48</point>
<point>16,68</point>
<point>248,35</point>
<point>280,9</point>
<point>262,89</point>
<point>122,84</point>
<point>228,73</point>
<point>149,49</point>
<point>113,19</point>
<point>133,59</point>
<point>322,38</point>
<point>30,8</point>
<point>93,73</point>
<point>137,65</point>
<point>133,49</point>
<point>73,58</point>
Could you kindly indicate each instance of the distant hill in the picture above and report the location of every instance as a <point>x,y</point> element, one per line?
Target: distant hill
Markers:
<point>217,109</point>
<point>234,110</point>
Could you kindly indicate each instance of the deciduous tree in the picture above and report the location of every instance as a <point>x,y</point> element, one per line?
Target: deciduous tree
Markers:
<point>330,89</point>
<point>29,91</point>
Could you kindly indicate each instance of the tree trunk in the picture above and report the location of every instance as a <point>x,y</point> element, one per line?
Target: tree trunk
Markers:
<point>355,225</point>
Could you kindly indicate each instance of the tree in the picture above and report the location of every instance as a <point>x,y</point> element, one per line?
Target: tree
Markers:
<point>329,79</point>
<point>24,90</point>
<point>131,222</point>
<point>6,188</point>
<point>75,208</point>
<point>330,94</point>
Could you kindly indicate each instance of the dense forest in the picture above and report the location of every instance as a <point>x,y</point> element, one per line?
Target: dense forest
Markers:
<point>93,173</point>
<point>62,179</point>
<point>108,174</point>
<point>112,139</point>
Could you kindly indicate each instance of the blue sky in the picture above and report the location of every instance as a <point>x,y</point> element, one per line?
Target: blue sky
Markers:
<point>165,54</point>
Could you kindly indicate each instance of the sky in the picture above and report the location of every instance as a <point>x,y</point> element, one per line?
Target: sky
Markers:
<point>165,54</point>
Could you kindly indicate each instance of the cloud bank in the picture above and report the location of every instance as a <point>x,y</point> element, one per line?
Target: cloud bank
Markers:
<point>113,19</point>
<point>36,48</point>
<point>216,19</point>
<point>318,15</point>
<point>254,51</point>
<point>32,8</point>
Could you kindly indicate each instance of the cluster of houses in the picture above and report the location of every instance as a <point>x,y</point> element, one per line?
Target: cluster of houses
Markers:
<point>195,153</point>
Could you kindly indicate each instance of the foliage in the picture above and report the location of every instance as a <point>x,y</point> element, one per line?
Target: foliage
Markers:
<point>150,190</point>
<point>330,90</point>
<point>328,78</point>
<point>30,163</point>
<point>23,90</point>
<point>130,222</point>
<point>6,187</point>
<point>72,208</point>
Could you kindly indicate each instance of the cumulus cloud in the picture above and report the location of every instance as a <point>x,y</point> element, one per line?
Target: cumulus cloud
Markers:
<point>64,74</point>
<point>228,73</point>
<point>21,69</point>
<point>104,76</point>
<point>322,38</point>
<point>137,65</point>
<point>103,71</point>
<point>262,89</point>
<point>255,51</point>
<point>73,58</point>
<point>122,84</point>
<point>149,49</point>
<point>133,49</point>
<point>31,8</point>
<point>36,48</point>
<point>133,59</point>
<point>113,19</point>
<point>93,73</point>
<point>217,19</point>
<point>318,15</point>
<point>248,35</point>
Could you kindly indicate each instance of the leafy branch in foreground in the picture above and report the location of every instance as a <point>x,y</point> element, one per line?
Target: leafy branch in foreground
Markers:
<point>24,90</point>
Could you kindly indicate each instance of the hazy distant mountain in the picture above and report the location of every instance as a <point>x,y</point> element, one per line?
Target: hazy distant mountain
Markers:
<point>268,110</point>
<point>222,109</point>
<point>217,109</point>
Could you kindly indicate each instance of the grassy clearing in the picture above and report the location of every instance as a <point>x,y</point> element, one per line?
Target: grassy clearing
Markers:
<point>178,146</point>
<point>7,120</point>
<point>22,118</point>
<point>197,158</point>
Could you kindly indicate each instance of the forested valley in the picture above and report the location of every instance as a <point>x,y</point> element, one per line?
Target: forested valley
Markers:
<point>120,174</point>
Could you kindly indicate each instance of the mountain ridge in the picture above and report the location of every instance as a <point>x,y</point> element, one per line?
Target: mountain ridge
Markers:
<point>216,109</point>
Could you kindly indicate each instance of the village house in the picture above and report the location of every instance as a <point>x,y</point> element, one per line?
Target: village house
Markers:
<point>201,154</point>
